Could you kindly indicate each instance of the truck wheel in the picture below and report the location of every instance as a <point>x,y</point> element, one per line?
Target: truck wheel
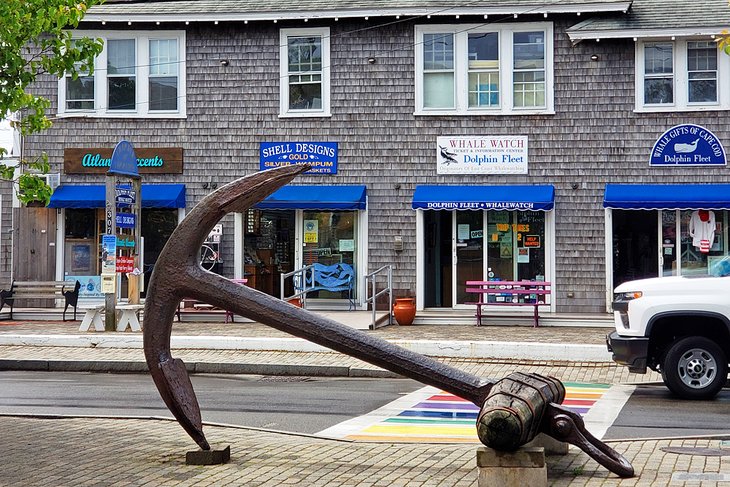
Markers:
<point>695,368</point>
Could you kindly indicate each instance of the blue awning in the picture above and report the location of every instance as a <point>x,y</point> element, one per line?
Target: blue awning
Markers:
<point>523,198</point>
<point>667,196</point>
<point>316,198</point>
<point>94,196</point>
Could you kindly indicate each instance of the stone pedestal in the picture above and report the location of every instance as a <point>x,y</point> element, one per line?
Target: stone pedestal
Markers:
<point>208,457</point>
<point>525,466</point>
<point>550,444</point>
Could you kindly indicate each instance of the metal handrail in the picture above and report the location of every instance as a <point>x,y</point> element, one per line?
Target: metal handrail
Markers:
<point>372,277</point>
<point>302,279</point>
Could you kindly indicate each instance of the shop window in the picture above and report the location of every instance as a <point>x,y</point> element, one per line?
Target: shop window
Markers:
<point>486,69</point>
<point>269,250</point>
<point>80,243</point>
<point>138,74</point>
<point>516,246</point>
<point>330,238</point>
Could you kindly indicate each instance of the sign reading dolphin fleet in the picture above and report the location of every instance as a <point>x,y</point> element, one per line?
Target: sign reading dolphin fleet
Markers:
<point>322,156</point>
<point>501,154</point>
<point>688,145</point>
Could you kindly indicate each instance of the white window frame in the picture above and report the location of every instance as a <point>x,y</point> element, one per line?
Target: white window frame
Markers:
<point>506,68</point>
<point>284,35</point>
<point>681,82</point>
<point>141,110</point>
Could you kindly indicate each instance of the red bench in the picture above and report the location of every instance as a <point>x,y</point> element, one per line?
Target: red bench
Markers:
<point>509,293</point>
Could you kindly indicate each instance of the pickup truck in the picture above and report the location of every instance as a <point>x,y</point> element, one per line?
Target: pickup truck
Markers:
<point>678,326</point>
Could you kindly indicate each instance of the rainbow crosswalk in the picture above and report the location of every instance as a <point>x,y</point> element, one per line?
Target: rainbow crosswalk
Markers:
<point>434,416</point>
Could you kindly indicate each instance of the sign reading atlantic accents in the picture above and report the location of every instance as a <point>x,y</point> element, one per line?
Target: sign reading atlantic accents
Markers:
<point>688,145</point>
<point>505,154</point>
<point>322,156</point>
<point>162,160</point>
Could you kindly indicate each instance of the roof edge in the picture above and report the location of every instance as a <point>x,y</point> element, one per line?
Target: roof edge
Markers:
<point>106,13</point>
<point>597,34</point>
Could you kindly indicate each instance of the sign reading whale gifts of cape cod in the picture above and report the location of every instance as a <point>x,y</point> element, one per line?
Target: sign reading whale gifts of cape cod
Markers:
<point>688,145</point>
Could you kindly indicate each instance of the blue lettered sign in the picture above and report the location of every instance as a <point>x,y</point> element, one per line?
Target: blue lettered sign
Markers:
<point>322,156</point>
<point>688,145</point>
<point>125,196</point>
<point>126,220</point>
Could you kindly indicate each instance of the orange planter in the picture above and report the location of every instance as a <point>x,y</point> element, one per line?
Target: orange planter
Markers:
<point>296,302</point>
<point>404,310</point>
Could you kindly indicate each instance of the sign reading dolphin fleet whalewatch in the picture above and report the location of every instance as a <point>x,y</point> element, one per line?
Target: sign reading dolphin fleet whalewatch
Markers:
<point>500,154</point>
<point>688,145</point>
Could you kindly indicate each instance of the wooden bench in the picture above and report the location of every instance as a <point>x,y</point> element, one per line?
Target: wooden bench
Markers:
<point>42,290</point>
<point>509,293</point>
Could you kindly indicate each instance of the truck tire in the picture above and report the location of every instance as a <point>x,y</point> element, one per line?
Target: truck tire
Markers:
<point>695,368</point>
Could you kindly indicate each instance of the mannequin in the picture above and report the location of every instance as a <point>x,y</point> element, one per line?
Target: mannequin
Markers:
<point>702,229</point>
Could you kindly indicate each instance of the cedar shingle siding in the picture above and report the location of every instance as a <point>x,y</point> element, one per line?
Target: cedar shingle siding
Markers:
<point>594,137</point>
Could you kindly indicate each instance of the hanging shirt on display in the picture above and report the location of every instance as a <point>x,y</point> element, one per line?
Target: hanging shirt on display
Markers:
<point>702,229</point>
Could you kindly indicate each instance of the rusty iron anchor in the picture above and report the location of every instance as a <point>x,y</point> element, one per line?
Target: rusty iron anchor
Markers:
<point>178,274</point>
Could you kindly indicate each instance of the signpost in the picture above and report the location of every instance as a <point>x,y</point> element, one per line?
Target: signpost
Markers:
<point>120,252</point>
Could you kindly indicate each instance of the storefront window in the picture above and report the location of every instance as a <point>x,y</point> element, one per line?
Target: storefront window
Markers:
<point>81,245</point>
<point>329,238</point>
<point>702,240</point>
<point>516,247</point>
<point>269,250</point>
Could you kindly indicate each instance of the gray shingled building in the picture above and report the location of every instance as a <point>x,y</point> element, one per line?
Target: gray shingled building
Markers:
<point>579,143</point>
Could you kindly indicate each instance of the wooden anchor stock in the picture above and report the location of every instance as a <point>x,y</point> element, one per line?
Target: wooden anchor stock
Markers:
<point>514,409</point>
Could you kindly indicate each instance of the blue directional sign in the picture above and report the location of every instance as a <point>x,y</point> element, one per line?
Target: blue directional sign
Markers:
<point>126,220</point>
<point>124,162</point>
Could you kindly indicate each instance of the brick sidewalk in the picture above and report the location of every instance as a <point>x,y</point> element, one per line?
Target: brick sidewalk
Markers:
<point>104,452</point>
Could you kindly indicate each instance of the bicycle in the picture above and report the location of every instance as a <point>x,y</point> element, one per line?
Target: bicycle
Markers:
<point>208,257</point>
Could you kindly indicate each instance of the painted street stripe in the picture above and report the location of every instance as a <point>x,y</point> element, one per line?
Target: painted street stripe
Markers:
<point>432,415</point>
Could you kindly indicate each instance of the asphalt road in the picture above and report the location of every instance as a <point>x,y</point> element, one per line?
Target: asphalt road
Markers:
<point>299,404</point>
<point>652,412</point>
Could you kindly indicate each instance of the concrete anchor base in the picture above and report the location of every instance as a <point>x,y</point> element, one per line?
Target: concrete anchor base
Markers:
<point>550,444</point>
<point>525,466</point>
<point>208,457</point>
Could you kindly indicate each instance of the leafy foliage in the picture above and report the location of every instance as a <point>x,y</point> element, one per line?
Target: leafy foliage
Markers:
<point>723,41</point>
<point>35,40</point>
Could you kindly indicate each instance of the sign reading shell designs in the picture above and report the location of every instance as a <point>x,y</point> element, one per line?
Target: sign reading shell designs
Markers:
<point>162,160</point>
<point>322,156</point>
<point>505,154</point>
<point>688,145</point>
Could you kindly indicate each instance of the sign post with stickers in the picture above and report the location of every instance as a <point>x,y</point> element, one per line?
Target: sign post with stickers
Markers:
<point>123,212</point>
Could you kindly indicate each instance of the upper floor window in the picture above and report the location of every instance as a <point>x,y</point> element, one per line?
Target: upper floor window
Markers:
<point>304,65</point>
<point>681,75</point>
<point>138,74</point>
<point>484,69</point>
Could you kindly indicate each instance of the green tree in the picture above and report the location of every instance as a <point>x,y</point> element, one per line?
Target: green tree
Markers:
<point>35,40</point>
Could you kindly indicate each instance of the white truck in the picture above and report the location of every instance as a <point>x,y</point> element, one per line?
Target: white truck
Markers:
<point>678,326</point>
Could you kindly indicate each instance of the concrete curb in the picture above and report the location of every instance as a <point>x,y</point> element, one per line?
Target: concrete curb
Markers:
<point>453,349</point>
<point>130,366</point>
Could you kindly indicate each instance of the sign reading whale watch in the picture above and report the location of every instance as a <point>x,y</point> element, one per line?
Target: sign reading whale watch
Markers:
<point>688,145</point>
<point>322,156</point>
